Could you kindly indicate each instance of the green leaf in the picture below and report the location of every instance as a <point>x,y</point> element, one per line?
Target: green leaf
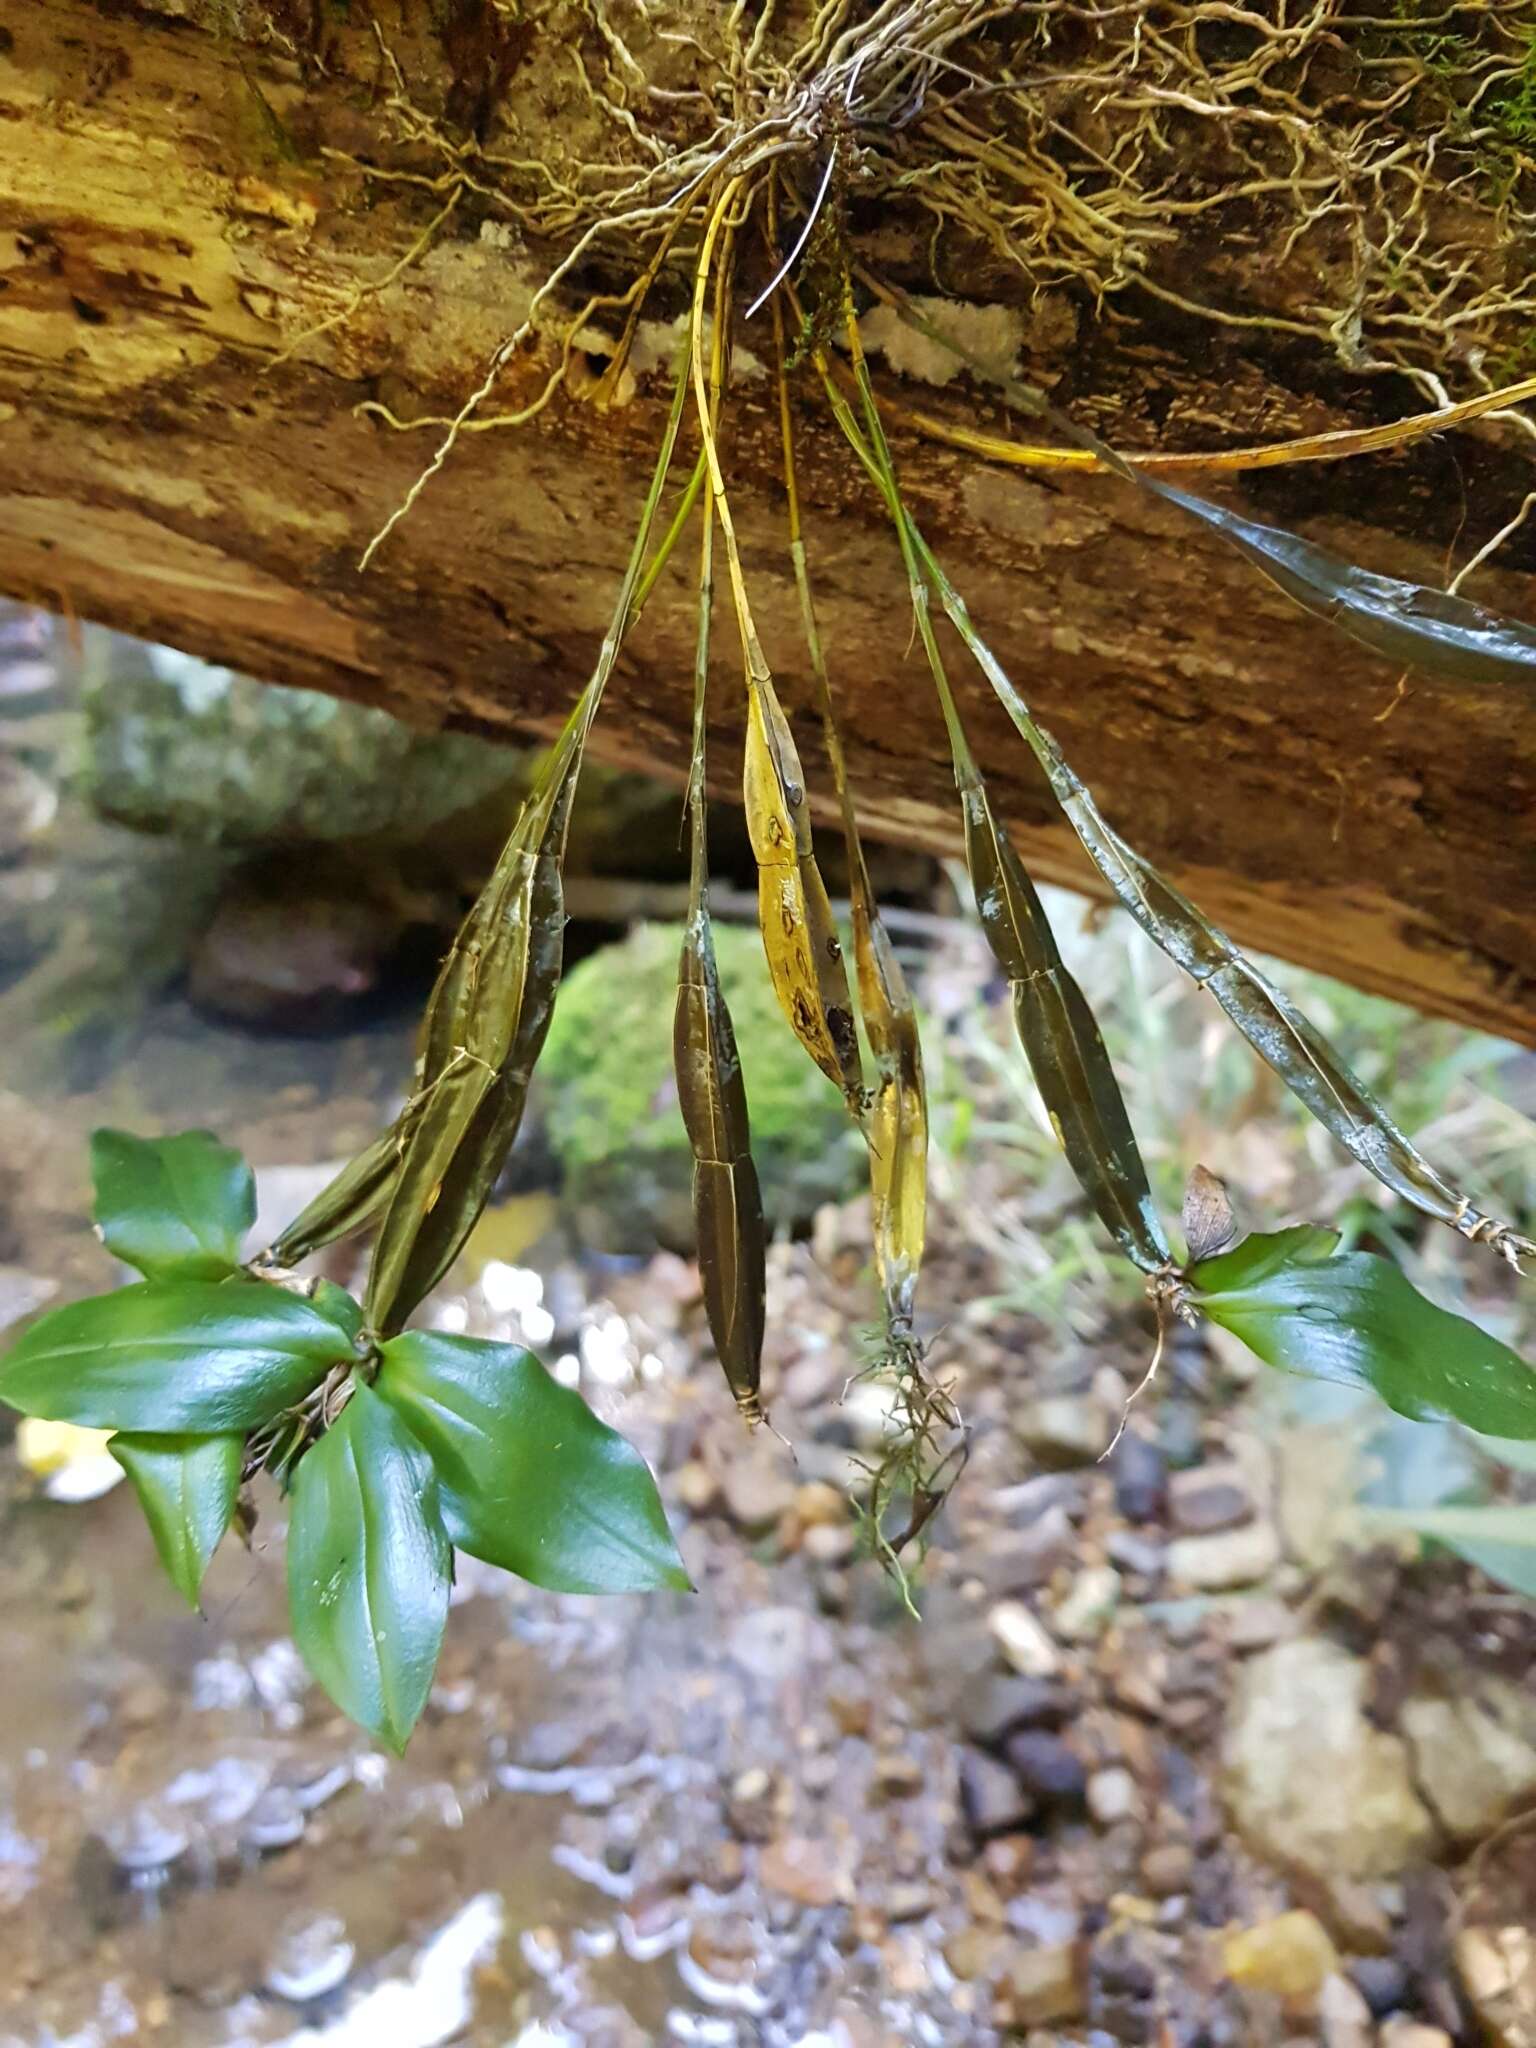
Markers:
<point>171,1355</point>
<point>186,1487</point>
<point>1354,1318</point>
<point>369,1567</point>
<point>177,1208</point>
<point>1500,1541</point>
<point>531,1480</point>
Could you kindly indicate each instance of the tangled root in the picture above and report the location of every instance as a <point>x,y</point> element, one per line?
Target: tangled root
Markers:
<point>1365,182</point>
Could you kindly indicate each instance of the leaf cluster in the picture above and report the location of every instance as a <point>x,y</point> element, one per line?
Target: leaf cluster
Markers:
<point>393,1453</point>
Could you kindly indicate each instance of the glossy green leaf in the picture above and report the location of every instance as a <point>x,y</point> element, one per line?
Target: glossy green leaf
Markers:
<point>531,1480</point>
<point>187,1487</point>
<point>1500,1541</point>
<point>177,1208</point>
<point>1354,1318</point>
<point>369,1568</point>
<point>174,1355</point>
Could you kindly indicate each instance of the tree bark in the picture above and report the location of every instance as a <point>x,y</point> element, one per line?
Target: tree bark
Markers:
<point>177,210</point>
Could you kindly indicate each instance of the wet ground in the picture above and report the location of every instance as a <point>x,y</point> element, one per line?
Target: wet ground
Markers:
<point>1172,1756</point>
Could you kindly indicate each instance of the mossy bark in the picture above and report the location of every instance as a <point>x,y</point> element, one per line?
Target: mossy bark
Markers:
<point>178,207</point>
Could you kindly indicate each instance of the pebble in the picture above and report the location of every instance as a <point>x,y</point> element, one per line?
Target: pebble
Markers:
<point>1037,1986</point>
<point>1024,1640</point>
<point>1006,1700</point>
<point>1064,1430</point>
<point>1089,1604</point>
<point>1209,1498</point>
<point>1020,1560</point>
<point>1235,1557</point>
<point>1047,1767</point>
<point>907,1902</point>
<point>1382,1981</point>
<point>696,1487</point>
<point>1291,1955</point>
<point>805,1868</point>
<point>310,1958</point>
<point>1343,2017</point>
<point>778,1643</point>
<point>1029,1499</point>
<point>818,1502</point>
<point>144,1839</point>
<point>898,1776</point>
<point>1298,1718</point>
<point>758,1490</point>
<point>1140,1474</point>
<point>1406,2033</point>
<point>993,1800</point>
<point>1113,1796</point>
<point>830,1543</point>
<point>276,1821</point>
<point>1167,1870</point>
<point>1475,1755</point>
<point>1142,1555</point>
<point>1497,1967</point>
<point>976,1951</point>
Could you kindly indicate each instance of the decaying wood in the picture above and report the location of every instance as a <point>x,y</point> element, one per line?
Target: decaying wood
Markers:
<point>177,210</point>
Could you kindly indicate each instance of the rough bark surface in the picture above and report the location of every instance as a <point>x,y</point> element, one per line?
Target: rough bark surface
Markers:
<point>173,217</point>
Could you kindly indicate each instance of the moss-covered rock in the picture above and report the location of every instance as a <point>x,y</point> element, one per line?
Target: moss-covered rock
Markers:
<point>611,1102</point>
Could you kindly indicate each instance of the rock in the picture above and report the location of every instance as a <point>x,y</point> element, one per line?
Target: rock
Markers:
<point>1005,1701</point>
<point>1063,1430</point>
<point>1088,1605</point>
<point>22,1292</point>
<point>611,1101</point>
<point>1023,1640</point>
<point>147,1838</point>
<point>696,1486</point>
<point>1291,1956</point>
<point>1113,1796</point>
<point>897,1775</point>
<point>759,1487</point>
<point>752,1803</point>
<point>1309,1780</point>
<point>777,1643</point>
<point>1255,1622</point>
<point>1123,1979</point>
<point>993,1801</point>
<point>1168,1869</point>
<point>830,1543</point>
<point>805,1868</point>
<point>1382,1981</point>
<point>1209,1498</point>
<point>1048,1768</point>
<point>907,1902</point>
<point>28,805</point>
<point>1140,1474</point>
<point>1143,1556</point>
<point>1497,1967</point>
<point>1020,1560</point>
<point>291,951</point>
<point>1027,1501</point>
<point>1405,2033</point>
<point>1040,1986</point>
<point>1475,1754</point>
<point>1343,2017</point>
<point>203,754</point>
<point>311,1958</point>
<point>1236,1557</point>
<point>976,1951</point>
<point>276,1821</point>
<point>818,1503</point>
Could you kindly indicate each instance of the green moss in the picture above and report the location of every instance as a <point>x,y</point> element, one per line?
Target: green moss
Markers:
<point>611,1102</point>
